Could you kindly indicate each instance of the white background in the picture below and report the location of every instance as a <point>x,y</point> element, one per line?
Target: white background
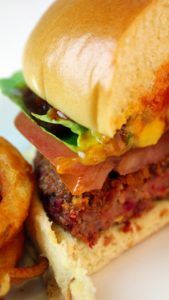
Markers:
<point>17,18</point>
<point>143,272</point>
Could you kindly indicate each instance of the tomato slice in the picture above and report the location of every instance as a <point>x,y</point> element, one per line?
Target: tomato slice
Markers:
<point>77,177</point>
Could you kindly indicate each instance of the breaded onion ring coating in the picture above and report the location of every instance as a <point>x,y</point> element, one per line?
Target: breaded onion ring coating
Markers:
<point>16,187</point>
<point>10,276</point>
<point>9,257</point>
<point>11,253</point>
<point>26,273</point>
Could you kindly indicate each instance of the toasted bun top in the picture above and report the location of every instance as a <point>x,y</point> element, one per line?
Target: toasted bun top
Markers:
<point>96,60</point>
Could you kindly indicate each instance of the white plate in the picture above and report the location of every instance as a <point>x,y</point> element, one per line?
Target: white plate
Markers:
<point>140,274</point>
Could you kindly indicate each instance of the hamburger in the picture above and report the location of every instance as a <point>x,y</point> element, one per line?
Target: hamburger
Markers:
<point>94,95</point>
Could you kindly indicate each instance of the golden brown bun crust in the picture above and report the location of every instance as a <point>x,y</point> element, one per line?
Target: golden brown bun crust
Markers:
<point>96,60</point>
<point>71,260</point>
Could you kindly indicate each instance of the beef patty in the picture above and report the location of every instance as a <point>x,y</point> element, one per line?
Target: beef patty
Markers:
<point>121,198</point>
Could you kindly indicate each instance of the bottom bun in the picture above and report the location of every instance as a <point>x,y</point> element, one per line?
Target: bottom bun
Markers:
<point>72,261</point>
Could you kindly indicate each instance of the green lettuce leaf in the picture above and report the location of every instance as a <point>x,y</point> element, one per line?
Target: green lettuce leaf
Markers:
<point>14,88</point>
<point>76,128</point>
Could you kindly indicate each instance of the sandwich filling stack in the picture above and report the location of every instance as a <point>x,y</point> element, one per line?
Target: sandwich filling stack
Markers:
<point>94,95</point>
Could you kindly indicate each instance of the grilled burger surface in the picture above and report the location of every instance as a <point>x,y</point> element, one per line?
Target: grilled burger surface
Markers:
<point>129,190</point>
<point>138,178</point>
<point>120,199</point>
<point>94,96</point>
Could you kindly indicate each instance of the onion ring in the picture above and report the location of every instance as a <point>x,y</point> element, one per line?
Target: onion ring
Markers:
<point>12,252</point>
<point>9,256</point>
<point>16,186</point>
<point>10,275</point>
<point>25,273</point>
<point>29,272</point>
